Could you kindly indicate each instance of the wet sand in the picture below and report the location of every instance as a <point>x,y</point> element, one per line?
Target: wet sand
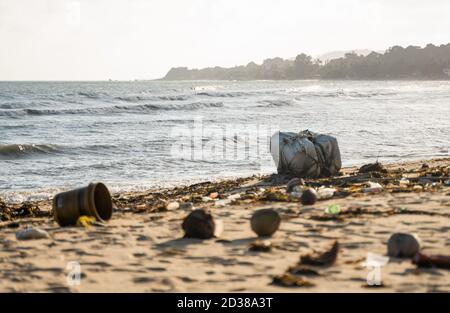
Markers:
<point>142,247</point>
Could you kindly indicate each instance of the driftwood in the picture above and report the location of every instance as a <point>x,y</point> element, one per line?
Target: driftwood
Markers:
<point>423,260</point>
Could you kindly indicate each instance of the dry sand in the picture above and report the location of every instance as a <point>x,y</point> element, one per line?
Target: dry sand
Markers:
<point>145,252</point>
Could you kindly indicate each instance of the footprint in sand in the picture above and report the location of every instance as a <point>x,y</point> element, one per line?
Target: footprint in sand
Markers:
<point>187,279</point>
<point>56,287</point>
<point>143,280</point>
<point>81,252</point>
<point>144,238</point>
<point>157,269</point>
<point>99,263</point>
<point>139,254</point>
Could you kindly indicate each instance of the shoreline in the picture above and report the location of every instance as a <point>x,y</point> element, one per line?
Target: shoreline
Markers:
<point>46,194</point>
<point>142,247</point>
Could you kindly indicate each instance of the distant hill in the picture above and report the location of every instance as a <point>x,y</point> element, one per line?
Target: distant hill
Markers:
<point>340,54</point>
<point>412,62</point>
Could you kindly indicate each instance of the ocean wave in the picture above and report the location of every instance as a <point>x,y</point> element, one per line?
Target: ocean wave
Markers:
<point>20,105</point>
<point>369,94</point>
<point>7,106</point>
<point>174,98</point>
<point>134,98</point>
<point>170,107</point>
<point>347,94</point>
<point>274,103</point>
<point>140,108</point>
<point>14,151</point>
<point>223,94</point>
<point>139,98</point>
<point>91,95</point>
<point>206,87</point>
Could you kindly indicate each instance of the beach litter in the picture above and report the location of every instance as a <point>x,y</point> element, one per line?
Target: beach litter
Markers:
<point>373,188</point>
<point>294,185</point>
<point>172,206</point>
<point>324,193</point>
<point>403,245</point>
<point>31,233</point>
<point>404,182</point>
<point>375,260</point>
<point>345,218</point>
<point>93,200</point>
<point>26,209</point>
<point>295,196</point>
<point>234,197</point>
<point>333,209</point>
<point>289,280</point>
<point>222,202</point>
<point>219,227</point>
<point>85,221</point>
<point>439,261</point>
<point>187,206</point>
<point>214,195</point>
<point>261,246</point>
<point>140,208</point>
<point>308,197</point>
<point>302,270</point>
<point>305,154</point>
<point>372,167</point>
<point>325,258</point>
<point>265,222</point>
<point>275,195</point>
<point>13,225</point>
<point>199,224</point>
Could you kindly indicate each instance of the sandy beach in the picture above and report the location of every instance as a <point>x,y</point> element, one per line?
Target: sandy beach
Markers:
<point>142,249</point>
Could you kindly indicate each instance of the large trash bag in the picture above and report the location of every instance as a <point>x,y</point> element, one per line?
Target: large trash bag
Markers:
<point>305,154</point>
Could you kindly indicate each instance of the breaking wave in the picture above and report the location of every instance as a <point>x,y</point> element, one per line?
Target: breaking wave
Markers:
<point>13,151</point>
<point>347,94</point>
<point>91,95</point>
<point>140,108</point>
<point>134,98</point>
<point>138,98</point>
<point>173,98</point>
<point>223,94</point>
<point>274,103</point>
<point>206,87</point>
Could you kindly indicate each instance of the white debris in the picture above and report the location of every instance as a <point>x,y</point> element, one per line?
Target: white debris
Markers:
<point>223,202</point>
<point>234,197</point>
<point>31,233</point>
<point>375,260</point>
<point>373,188</point>
<point>297,189</point>
<point>218,229</point>
<point>325,193</point>
<point>173,206</point>
<point>295,195</point>
<point>404,182</point>
<point>187,206</point>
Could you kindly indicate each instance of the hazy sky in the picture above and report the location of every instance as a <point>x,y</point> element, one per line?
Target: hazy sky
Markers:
<point>128,39</point>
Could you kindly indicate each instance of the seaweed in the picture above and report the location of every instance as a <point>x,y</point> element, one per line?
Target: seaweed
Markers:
<point>325,258</point>
<point>26,209</point>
